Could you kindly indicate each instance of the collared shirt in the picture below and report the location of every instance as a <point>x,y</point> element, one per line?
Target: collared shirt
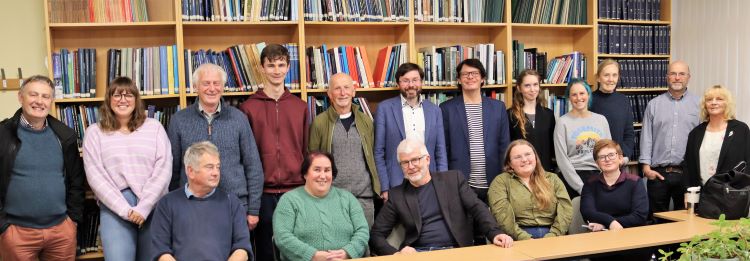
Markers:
<point>27,124</point>
<point>209,116</point>
<point>189,194</point>
<point>666,124</point>
<point>414,124</point>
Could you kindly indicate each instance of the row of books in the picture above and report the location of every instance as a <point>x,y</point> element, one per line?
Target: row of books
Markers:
<point>637,149</point>
<point>634,39</point>
<point>649,10</point>
<point>529,58</point>
<point>97,11</point>
<point>80,116</point>
<point>88,230</point>
<point>389,58</point>
<point>549,11</point>
<point>74,73</point>
<point>356,10</point>
<point>239,10</point>
<point>322,63</point>
<point>440,63</point>
<point>242,64</point>
<point>319,104</point>
<point>558,70</point>
<point>638,104</point>
<point>642,73</point>
<point>153,69</point>
<point>467,11</point>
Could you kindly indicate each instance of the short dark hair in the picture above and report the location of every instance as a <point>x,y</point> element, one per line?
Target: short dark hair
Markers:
<point>474,63</point>
<point>307,162</point>
<point>408,67</point>
<point>274,52</point>
<point>38,78</point>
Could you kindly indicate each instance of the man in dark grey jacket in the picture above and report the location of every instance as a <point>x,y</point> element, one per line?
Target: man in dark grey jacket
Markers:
<point>442,203</point>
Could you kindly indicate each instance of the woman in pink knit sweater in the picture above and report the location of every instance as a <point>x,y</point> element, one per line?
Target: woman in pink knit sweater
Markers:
<point>128,165</point>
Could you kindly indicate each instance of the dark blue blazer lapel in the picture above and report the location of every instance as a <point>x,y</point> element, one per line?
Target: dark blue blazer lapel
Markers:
<point>398,115</point>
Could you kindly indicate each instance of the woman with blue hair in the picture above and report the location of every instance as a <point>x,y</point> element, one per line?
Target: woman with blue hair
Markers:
<point>575,134</point>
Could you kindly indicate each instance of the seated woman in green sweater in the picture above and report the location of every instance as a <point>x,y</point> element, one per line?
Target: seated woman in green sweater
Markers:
<point>527,201</point>
<point>318,221</point>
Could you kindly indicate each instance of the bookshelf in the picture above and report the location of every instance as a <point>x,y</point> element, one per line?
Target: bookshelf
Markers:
<point>166,27</point>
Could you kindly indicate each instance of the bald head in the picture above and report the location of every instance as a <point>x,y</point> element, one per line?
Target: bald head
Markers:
<point>341,91</point>
<point>678,76</point>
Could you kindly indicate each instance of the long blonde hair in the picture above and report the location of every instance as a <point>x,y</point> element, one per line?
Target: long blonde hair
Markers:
<point>540,186</point>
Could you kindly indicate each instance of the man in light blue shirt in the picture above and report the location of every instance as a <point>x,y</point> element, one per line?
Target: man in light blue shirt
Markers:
<point>667,121</point>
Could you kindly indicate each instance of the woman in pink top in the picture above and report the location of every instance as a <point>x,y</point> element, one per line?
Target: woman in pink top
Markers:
<point>128,165</point>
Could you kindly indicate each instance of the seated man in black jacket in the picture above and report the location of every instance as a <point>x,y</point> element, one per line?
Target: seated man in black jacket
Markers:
<point>440,201</point>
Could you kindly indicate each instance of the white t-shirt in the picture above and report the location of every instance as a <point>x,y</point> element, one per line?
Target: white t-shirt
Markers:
<point>709,153</point>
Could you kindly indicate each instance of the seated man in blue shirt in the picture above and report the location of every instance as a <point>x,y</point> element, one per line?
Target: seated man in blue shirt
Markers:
<point>191,223</point>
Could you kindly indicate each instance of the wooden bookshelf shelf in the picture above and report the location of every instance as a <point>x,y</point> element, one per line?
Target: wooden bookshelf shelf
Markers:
<point>636,22</point>
<point>77,100</point>
<point>553,85</point>
<point>202,26</point>
<point>638,124</point>
<point>225,23</point>
<point>553,26</point>
<point>635,56</point>
<point>356,24</point>
<point>159,96</point>
<point>456,25</point>
<point>642,89</point>
<point>134,25</point>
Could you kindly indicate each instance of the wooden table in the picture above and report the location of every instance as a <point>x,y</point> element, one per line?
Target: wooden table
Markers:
<point>486,252</point>
<point>684,229</point>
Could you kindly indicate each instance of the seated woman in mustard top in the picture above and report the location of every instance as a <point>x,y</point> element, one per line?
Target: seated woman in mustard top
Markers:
<point>527,201</point>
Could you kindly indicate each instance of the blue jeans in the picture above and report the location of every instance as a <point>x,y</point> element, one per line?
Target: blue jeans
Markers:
<point>121,239</point>
<point>536,232</point>
<point>428,249</point>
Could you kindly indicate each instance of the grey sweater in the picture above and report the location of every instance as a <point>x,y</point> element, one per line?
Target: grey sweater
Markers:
<point>241,169</point>
<point>574,145</point>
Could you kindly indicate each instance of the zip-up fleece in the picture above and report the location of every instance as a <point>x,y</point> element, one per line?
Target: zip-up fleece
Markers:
<point>321,137</point>
<point>280,128</point>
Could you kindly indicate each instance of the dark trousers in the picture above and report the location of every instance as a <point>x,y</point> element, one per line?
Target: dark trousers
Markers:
<point>660,192</point>
<point>263,233</point>
<point>585,176</point>
<point>479,237</point>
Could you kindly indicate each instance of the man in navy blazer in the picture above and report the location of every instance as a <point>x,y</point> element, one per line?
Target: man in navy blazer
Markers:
<point>478,134</point>
<point>407,116</point>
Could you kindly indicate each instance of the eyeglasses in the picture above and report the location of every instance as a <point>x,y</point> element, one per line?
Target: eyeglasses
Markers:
<point>472,74</point>
<point>522,156</point>
<point>407,81</point>
<point>127,96</point>
<point>610,156</point>
<point>413,162</point>
<point>680,74</point>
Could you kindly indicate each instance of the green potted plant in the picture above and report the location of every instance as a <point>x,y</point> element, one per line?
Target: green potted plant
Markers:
<point>730,241</point>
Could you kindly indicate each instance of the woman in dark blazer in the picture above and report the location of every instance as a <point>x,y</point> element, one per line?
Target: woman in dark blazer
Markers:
<point>472,123</point>
<point>530,119</point>
<point>720,142</point>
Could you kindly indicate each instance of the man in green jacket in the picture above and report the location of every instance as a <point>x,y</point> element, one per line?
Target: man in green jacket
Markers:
<point>347,133</point>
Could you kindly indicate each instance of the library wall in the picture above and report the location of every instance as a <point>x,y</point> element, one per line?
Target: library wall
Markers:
<point>713,38</point>
<point>22,44</point>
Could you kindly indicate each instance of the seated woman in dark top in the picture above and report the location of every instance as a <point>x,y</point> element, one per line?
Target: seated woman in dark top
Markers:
<point>613,199</point>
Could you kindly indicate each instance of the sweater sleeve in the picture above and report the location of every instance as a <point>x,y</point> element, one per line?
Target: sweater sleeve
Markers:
<point>563,162</point>
<point>638,207</point>
<point>498,198</point>
<point>315,136</point>
<point>99,180</point>
<point>157,183</point>
<point>284,221</point>
<point>564,211</point>
<point>252,165</point>
<point>628,139</point>
<point>358,243</point>
<point>240,231</point>
<point>175,142</point>
<point>161,229</point>
<point>588,206</point>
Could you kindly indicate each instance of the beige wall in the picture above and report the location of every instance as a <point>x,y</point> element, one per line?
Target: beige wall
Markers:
<point>22,44</point>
